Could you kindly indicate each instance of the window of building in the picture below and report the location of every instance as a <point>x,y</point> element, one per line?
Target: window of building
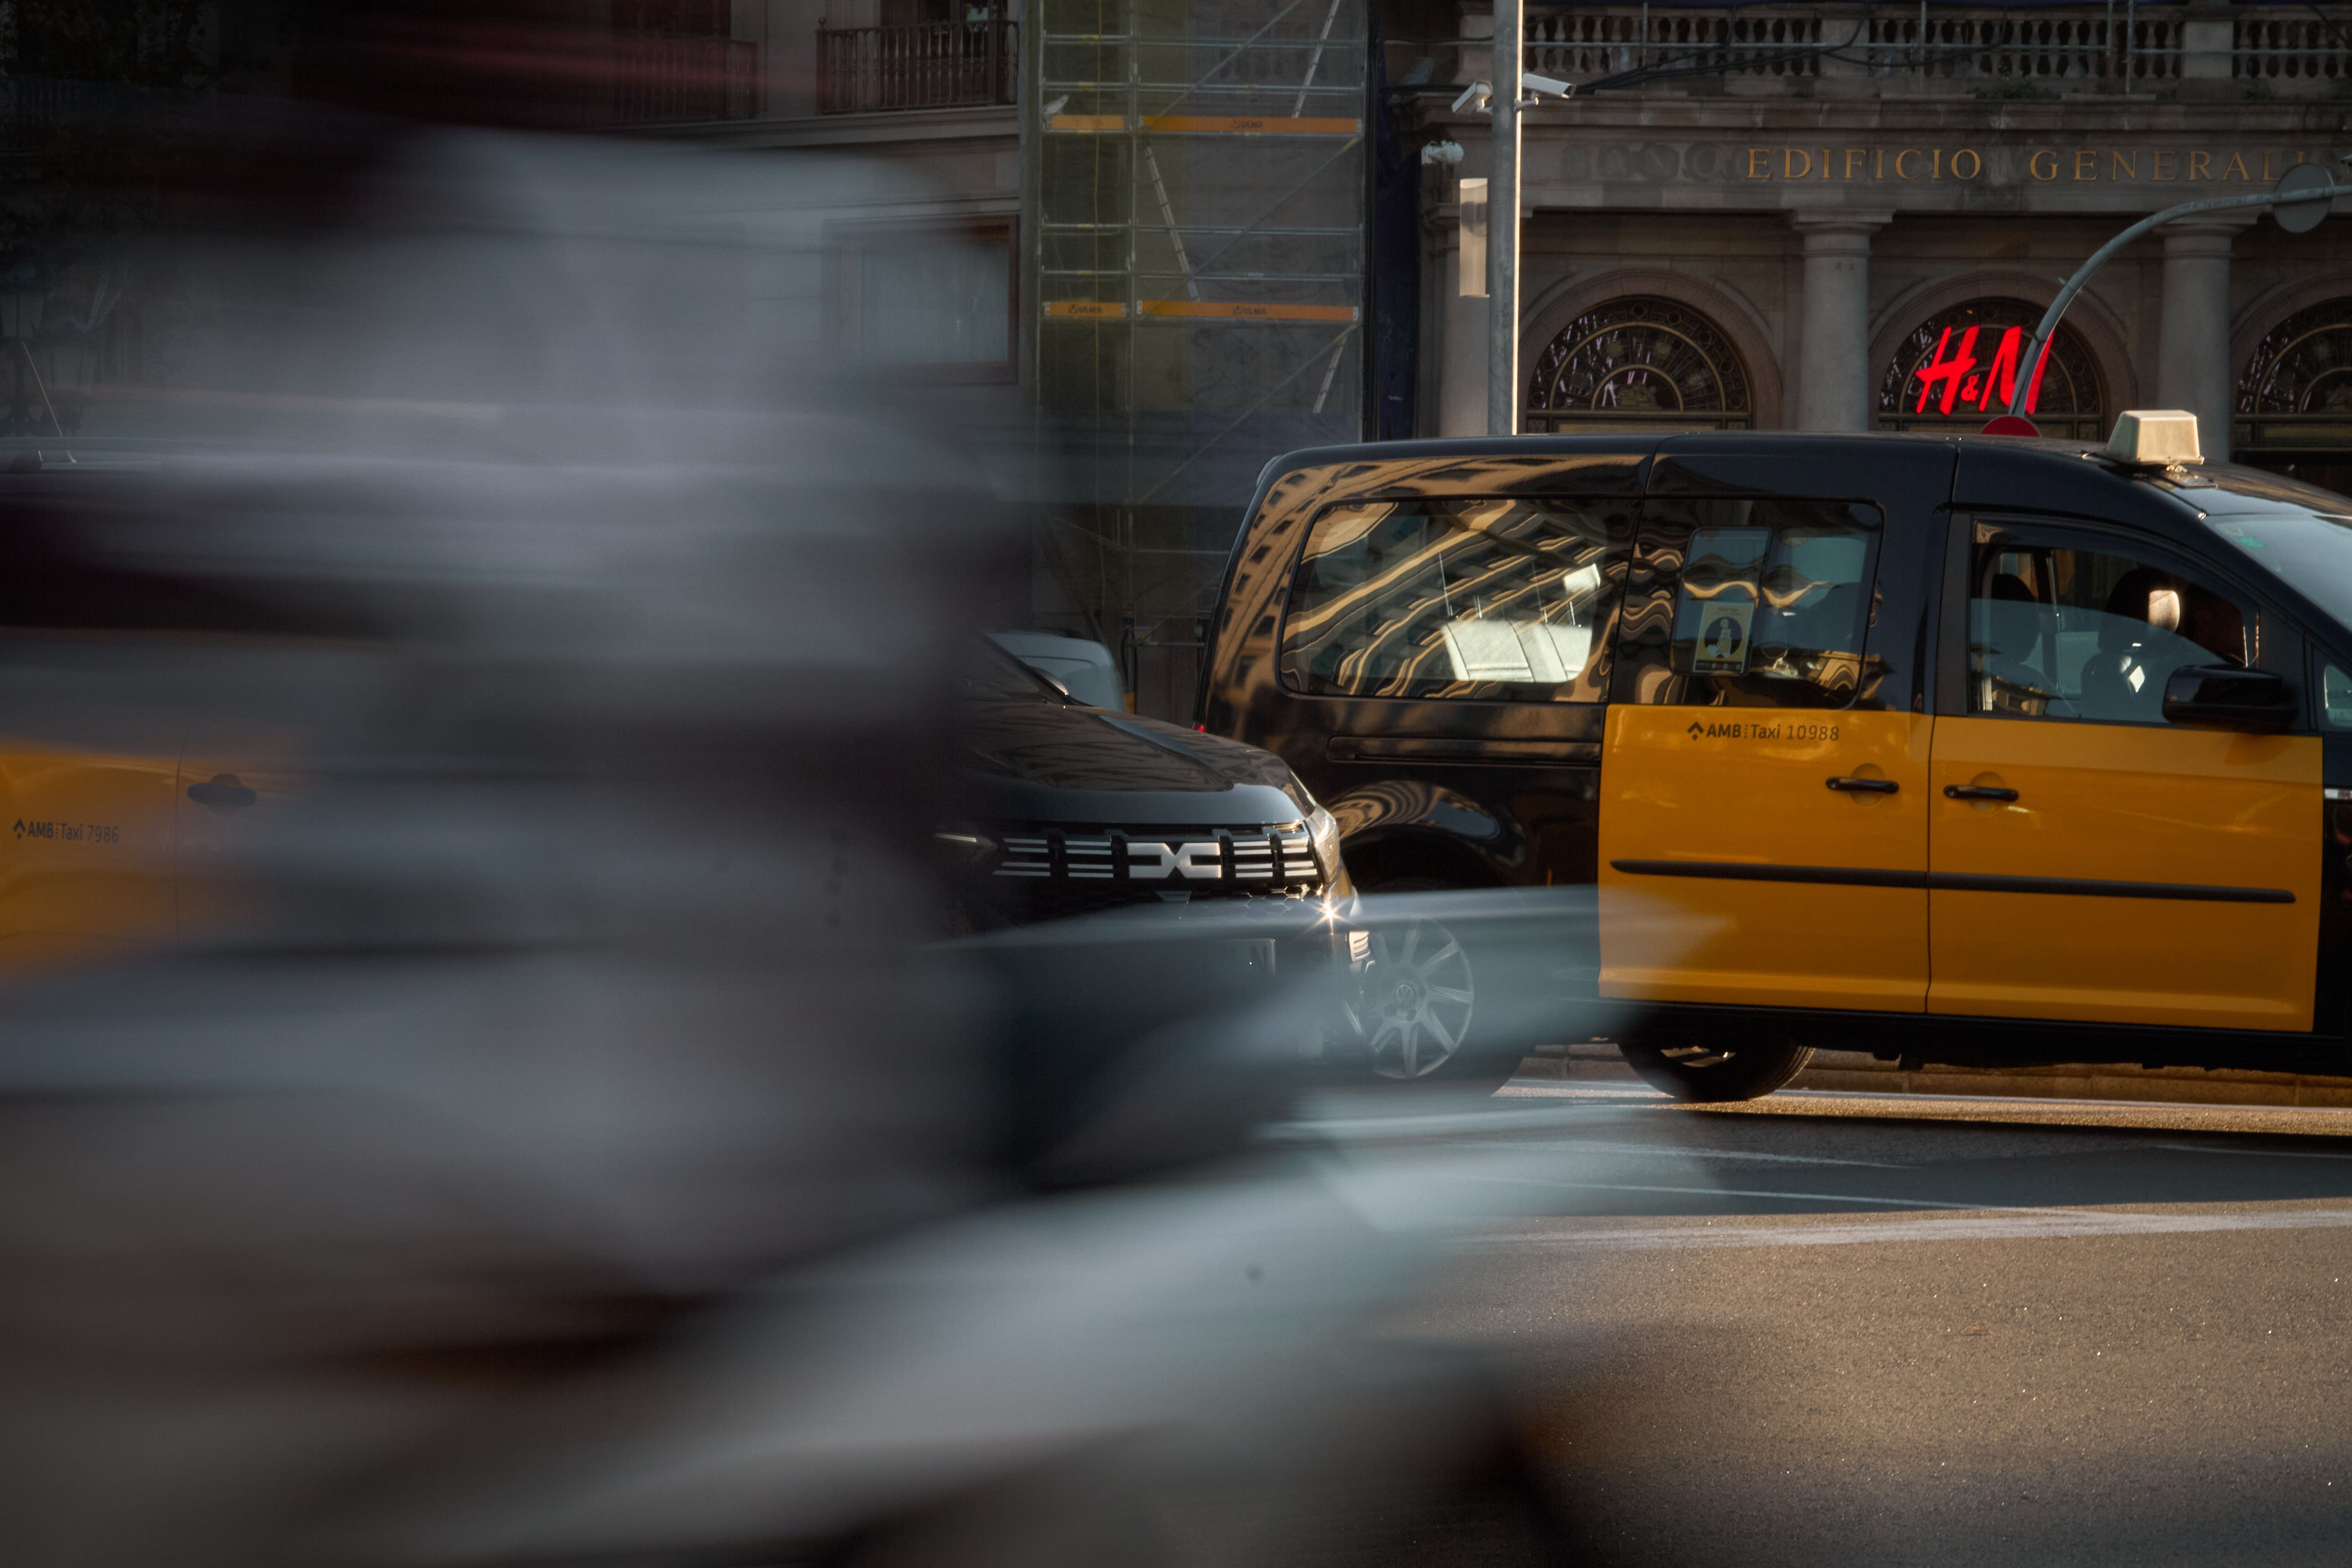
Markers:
<point>2061,627</point>
<point>1503,599</point>
<point>1749,604</point>
<point>1640,362</point>
<point>679,61</point>
<point>927,299</point>
<point>1960,368</point>
<point>2295,400</point>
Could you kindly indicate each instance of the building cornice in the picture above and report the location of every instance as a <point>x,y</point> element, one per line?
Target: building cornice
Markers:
<point>2075,117</point>
<point>989,128</point>
<point>1958,156</point>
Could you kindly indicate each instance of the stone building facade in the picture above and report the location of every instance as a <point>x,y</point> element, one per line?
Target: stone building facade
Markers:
<point>1827,218</point>
<point>1769,217</point>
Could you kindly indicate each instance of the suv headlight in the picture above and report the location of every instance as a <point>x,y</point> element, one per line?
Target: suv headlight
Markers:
<point>1324,829</point>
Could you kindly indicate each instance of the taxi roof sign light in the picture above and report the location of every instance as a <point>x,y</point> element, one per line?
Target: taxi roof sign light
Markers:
<point>2155,438</point>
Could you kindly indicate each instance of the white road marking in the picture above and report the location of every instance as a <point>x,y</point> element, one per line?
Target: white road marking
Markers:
<point>2253,1153</point>
<point>1997,1224</point>
<point>1316,1129</point>
<point>1588,1146</point>
<point>1731,1193</point>
<point>1549,1089</point>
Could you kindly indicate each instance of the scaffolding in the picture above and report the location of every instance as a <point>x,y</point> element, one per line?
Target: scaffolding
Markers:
<point>1196,251</point>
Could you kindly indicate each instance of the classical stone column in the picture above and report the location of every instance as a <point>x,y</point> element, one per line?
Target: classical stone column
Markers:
<point>2193,346</point>
<point>1462,336</point>
<point>1833,325</point>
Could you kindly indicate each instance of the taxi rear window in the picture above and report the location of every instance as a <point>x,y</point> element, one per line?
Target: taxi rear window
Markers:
<point>1762,602</point>
<point>1501,598</point>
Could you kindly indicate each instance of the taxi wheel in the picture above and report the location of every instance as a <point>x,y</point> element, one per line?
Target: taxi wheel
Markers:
<point>1711,1071</point>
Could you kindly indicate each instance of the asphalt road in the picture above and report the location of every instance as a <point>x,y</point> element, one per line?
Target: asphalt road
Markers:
<point>1834,1329</point>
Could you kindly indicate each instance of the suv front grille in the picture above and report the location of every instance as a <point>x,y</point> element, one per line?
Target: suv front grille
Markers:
<point>1050,873</point>
<point>1165,859</point>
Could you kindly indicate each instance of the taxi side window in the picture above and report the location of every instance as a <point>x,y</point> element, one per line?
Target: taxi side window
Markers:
<point>1506,599</point>
<point>2335,698</point>
<point>2064,628</point>
<point>1749,604</point>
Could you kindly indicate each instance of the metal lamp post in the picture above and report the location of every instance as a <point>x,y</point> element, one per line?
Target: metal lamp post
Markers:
<point>20,319</point>
<point>1503,226</point>
<point>1502,102</point>
<point>2302,195</point>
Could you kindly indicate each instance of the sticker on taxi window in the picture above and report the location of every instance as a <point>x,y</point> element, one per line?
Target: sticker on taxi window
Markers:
<point>1723,646</point>
<point>1715,616</point>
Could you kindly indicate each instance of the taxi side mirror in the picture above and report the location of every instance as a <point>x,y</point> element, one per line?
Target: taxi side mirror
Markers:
<point>2227,698</point>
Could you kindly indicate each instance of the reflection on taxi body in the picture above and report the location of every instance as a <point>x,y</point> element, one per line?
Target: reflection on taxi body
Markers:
<point>1968,750</point>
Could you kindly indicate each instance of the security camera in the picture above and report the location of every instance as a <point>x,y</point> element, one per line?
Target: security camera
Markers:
<point>1544,84</point>
<point>1442,153</point>
<point>1473,97</point>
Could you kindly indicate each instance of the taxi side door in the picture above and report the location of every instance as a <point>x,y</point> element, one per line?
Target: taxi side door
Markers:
<point>1451,654</point>
<point>2089,860</point>
<point>1763,826</point>
<point>224,806</point>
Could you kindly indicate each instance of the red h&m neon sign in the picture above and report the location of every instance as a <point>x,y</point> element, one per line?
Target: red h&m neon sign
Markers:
<point>1962,383</point>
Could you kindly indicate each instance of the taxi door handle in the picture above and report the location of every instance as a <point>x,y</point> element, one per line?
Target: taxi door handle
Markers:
<point>222,789</point>
<point>1865,786</point>
<point>1978,792</point>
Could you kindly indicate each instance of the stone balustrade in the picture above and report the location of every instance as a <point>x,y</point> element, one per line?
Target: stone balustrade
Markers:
<point>2254,52</point>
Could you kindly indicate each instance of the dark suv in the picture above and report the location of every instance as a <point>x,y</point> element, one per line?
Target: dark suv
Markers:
<point>1077,811</point>
<point>1073,810</point>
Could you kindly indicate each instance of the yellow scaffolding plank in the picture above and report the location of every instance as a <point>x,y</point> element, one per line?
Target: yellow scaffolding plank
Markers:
<point>1250,125</point>
<point>1213,124</point>
<point>1218,310</point>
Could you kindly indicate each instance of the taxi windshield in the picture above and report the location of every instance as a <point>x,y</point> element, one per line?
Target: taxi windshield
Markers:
<point>2296,532</point>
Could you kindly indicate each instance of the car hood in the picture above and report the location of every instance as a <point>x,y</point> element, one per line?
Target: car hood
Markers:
<point>1051,761</point>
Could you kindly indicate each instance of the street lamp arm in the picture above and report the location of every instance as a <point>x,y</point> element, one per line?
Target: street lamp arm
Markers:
<point>2029,368</point>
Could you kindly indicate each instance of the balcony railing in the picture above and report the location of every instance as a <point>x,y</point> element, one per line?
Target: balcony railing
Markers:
<point>2314,50</point>
<point>2120,47</point>
<point>685,79</point>
<point>939,64</point>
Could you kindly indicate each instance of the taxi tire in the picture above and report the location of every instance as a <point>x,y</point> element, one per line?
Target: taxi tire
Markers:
<point>1710,1071</point>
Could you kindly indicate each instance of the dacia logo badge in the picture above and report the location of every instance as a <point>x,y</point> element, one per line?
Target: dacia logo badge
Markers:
<point>1696,730</point>
<point>1197,862</point>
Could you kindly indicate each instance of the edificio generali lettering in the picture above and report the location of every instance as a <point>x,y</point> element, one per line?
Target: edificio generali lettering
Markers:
<point>2259,166</point>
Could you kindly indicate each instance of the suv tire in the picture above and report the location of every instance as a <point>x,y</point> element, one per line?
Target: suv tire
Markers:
<point>1711,1071</point>
<point>1417,1006</point>
<point>1437,1009</point>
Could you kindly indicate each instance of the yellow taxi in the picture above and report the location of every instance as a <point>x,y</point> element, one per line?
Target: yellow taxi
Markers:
<point>119,832</point>
<point>106,855</point>
<point>1975,750</point>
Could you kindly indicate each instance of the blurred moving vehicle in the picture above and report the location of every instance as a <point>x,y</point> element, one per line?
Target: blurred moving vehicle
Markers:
<point>1084,668</point>
<point>573,1151</point>
<point>110,832</point>
<point>1912,737</point>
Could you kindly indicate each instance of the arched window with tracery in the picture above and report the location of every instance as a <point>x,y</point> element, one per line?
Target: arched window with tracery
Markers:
<point>2295,400</point>
<point>1640,362</point>
<point>1960,368</point>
